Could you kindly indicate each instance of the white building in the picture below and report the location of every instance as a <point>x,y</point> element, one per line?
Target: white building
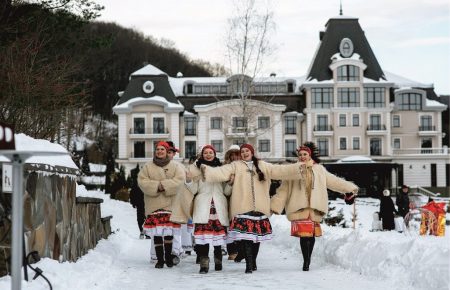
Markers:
<point>346,104</point>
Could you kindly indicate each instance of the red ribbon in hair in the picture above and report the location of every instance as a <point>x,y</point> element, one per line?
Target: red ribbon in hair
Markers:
<point>305,148</point>
<point>164,144</point>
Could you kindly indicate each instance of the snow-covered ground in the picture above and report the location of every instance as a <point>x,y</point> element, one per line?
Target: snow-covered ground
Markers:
<point>343,258</point>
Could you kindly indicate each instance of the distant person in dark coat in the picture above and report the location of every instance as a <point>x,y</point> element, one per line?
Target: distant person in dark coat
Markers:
<point>402,201</point>
<point>137,200</point>
<point>387,211</point>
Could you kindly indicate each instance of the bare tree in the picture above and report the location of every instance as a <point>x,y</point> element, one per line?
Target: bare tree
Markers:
<point>248,46</point>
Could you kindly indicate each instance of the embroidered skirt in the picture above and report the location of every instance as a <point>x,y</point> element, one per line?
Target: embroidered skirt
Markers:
<point>252,226</point>
<point>158,224</point>
<point>305,228</point>
<point>213,232</point>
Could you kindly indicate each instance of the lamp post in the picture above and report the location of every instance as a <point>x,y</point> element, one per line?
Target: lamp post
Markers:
<point>17,158</point>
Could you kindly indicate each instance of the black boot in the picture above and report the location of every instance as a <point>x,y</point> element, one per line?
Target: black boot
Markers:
<point>241,251</point>
<point>204,265</point>
<point>168,253</point>
<point>255,249</point>
<point>305,253</point>
<point>159,249</point>
<point>218,258</point>
<point>248,256</point>
<point>311,243</point>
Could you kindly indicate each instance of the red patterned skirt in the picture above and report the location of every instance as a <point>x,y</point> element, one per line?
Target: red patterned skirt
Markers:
<point>252,226</point>
<point>211,233</point>
<point>305,228</point>
<point>158,224</point>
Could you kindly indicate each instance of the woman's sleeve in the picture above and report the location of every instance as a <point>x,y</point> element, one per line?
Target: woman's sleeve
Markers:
<point>283,171</point>
<point>218,174</point>
<point>339,184</point>
<point>148,186</point>
<point>278,201</point>
<point>172,185</point>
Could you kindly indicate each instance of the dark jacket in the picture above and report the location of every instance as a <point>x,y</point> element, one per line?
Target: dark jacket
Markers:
<point>387,211</point>
<point>402,203</point>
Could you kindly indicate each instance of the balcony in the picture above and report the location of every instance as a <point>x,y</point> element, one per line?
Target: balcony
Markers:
<point>420,151</point>
<point>151,133</point>
<point>240,132</point>
<point>323,130</point>
<point>427,130</point>
<point>376,130</point>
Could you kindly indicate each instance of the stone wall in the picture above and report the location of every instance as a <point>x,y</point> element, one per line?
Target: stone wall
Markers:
<point>57,224</point>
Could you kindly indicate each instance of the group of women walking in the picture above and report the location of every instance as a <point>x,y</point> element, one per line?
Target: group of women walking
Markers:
<point>231,202</point>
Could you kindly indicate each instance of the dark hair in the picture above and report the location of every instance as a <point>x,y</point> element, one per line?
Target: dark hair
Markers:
<point>261,176</point>
<point>314,151</point>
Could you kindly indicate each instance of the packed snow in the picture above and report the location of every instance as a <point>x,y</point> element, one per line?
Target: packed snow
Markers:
<point>343,258</point>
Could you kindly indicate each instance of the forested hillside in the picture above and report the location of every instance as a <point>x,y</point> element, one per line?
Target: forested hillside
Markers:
<point>59,67</point>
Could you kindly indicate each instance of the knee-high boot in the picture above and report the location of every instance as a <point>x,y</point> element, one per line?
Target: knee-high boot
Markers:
<point>241,251</point>
<point>248,256</point>
<point>168,251</point>
<point>159,249</point>
<point>255,249</point>
<point>311,243</point>
<point>305,253</point>
<point>218,258</point>
<point>203,251</point>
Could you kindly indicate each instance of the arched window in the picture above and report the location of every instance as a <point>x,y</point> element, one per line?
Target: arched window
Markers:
<point>347,73</point>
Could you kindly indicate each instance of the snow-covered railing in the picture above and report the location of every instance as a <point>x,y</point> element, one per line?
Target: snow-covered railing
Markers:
<point>420,151</point>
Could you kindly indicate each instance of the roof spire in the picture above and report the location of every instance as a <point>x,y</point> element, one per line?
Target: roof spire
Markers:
<point>340,5</point>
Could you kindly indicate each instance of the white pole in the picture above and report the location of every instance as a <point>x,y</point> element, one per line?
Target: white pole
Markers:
<point>17,225</point>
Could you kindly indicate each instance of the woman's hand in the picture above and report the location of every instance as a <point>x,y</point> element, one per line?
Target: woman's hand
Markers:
<point>160,187</point>
<point>231,180</point>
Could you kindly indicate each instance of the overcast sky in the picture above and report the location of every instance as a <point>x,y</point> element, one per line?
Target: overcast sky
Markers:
<point>410,38</point>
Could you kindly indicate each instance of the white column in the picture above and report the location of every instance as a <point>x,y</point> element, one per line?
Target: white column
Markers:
<point>123,136</point>
<point>277,137</point>
<point>202,134</point>
<point>175,129</point>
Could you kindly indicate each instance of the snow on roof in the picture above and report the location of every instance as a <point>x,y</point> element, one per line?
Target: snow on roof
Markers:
<point>434,103</point>
<point>148,70</point>
<point>338,56</point>
<point>26,143</point>
<point>97,167</point>
<point>404,82</point>
<point>144,100</point>
<point>355,159</point>
<point>315,81</point>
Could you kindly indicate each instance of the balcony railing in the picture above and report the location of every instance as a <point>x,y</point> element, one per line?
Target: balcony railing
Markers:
<point>376,127</point>
<point>420,151</point>
<point>323,128</point>
<point>149,131</point>
<point>190,132</point>
<point>427,128</point>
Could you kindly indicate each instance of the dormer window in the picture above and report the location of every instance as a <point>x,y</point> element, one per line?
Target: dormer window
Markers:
<point>347,73</point>
<point>189,89</point>
<point>410,101</point>
<point>148,87</point>
<point>290,87</point>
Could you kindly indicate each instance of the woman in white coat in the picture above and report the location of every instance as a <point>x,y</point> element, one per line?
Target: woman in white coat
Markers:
<point>306,200</point>
<point>250,201</point>
<point>210,211</point>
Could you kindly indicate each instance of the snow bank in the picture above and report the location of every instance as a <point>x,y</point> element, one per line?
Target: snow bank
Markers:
<point>417,262</point>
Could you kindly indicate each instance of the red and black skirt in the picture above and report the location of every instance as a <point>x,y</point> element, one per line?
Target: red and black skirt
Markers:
<point>251,226</point>
<point>213,232</point>
<point>158,224</point>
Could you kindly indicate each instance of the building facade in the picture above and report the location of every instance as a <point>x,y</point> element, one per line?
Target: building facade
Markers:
<point>345,103</point>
